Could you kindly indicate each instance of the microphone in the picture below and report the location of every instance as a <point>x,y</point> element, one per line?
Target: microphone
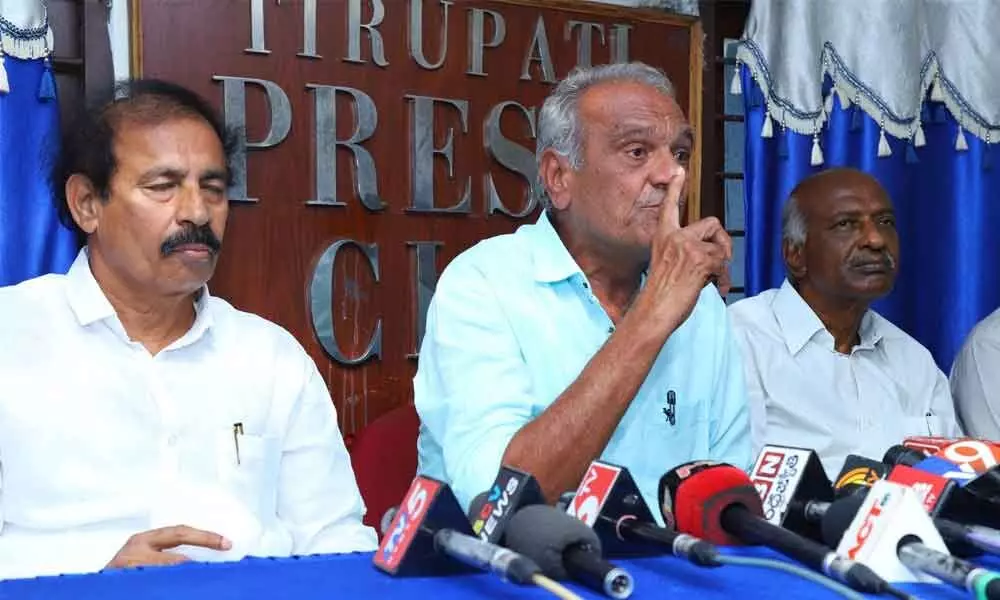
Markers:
<point>977,463</point>
<point>609,501</point>
<point>429,535</point>
<point>980,457</point>
<point>943,495</point>
<point>927,444</point>
<point>971,454</point>
<point>936,493</point>
<point>962,539</point>
<point>858,474</point>
<point>491,511</point>
<point>565,499</point>
<point>902,455</point>
<point>719,503</point>
<point>786,478</point>
<point>892,534</point>
<point>933,491</point>
<point>564,547</point>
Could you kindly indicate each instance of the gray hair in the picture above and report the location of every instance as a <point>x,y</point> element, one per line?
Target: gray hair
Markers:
<point>793,223</point>
<point>559,125</point>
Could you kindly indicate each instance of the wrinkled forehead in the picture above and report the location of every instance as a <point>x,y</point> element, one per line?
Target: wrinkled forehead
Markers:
<point>614,108</point>
<point>860,196</point>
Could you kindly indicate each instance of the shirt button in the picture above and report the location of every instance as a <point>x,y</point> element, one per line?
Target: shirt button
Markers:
<point>171,440</point>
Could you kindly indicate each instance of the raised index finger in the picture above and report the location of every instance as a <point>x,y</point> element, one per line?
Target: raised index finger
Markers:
<point>711,230</point>
<point>670,211</point>
<point>180,535</point>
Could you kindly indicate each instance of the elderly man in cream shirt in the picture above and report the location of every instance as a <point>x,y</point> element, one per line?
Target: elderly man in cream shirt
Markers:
<point>144,421</point>
<point>823,370</point>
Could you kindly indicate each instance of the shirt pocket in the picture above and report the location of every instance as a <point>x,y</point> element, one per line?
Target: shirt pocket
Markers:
<point>248,468</point>
<point>921,426</point>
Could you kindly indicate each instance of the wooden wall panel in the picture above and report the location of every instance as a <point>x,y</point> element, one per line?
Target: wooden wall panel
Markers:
<point>272,246</point>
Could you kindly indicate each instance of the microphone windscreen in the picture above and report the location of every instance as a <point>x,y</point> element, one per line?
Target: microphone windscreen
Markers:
<point>698,497</point>
<point>543,533</point>
<point>901,455</point>
<point>838,518</point>
<point>477,505</point>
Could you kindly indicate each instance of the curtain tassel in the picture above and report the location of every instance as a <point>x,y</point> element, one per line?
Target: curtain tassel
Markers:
<point>767,131</point>
<point>961,144</point>
<point>4,84</point>
<point>783,143</point>
<point>816,158</point>
<point>918,137</point>
<point>936,94</point>
<point>883,145</point>
<point>736,86</point>
<point>47,86</point>
<point>856,122</point>
<point>828,105</point>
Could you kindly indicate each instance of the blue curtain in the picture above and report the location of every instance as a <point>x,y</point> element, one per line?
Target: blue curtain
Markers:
<point>947,204</point>
<point>32,241</point>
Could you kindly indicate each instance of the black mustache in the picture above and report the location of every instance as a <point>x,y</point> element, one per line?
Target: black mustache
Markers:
<point>202,234</point>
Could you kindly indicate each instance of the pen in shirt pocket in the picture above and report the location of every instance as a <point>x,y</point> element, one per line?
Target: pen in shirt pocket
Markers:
<point>927,419</point>
<point>237,432</point>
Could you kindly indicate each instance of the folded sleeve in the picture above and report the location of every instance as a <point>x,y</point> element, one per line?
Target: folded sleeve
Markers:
<point>472,390</point>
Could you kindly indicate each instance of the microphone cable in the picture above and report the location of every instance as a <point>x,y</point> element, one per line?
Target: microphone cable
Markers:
<point>553,587</point>
<point>808,574</point>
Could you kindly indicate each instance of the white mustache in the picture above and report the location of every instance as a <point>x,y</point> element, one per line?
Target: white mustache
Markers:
<point>652,204</point>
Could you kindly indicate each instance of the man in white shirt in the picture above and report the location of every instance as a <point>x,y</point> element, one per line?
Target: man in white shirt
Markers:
<point>823,370</point>
<point>975,380</point>
<point>142,420</point>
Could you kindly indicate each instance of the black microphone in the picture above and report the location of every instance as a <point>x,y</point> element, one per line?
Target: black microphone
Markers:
<point>609,501</point>
<point>564,547</point>
<point>859,474</point>
<point>901,455</point>
<point>429,528</point>
<point>491,510</point>
<point>719,503</point>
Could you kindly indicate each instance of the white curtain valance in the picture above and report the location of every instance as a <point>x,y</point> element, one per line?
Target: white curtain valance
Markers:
<point>882,55</point>
<point>24,33</point>
<point>24,29</point>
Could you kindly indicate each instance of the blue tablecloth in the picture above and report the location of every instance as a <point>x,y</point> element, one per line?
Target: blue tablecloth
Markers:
<point>323,577</point>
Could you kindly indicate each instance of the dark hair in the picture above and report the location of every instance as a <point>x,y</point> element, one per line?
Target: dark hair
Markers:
<point>87,143</point>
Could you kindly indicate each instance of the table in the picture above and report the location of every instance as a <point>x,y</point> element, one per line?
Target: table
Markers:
<point>325,577</point>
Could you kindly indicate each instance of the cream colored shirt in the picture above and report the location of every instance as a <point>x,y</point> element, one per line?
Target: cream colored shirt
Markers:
<point>975,380</point>
<point>804,393</point>
<point>100,440</point>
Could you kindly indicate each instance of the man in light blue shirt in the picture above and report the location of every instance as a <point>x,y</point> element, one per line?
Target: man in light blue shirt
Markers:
<point>594,332</point>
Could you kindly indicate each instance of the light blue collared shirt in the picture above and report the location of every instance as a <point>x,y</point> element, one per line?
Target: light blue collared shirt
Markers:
<point>512,324</point>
